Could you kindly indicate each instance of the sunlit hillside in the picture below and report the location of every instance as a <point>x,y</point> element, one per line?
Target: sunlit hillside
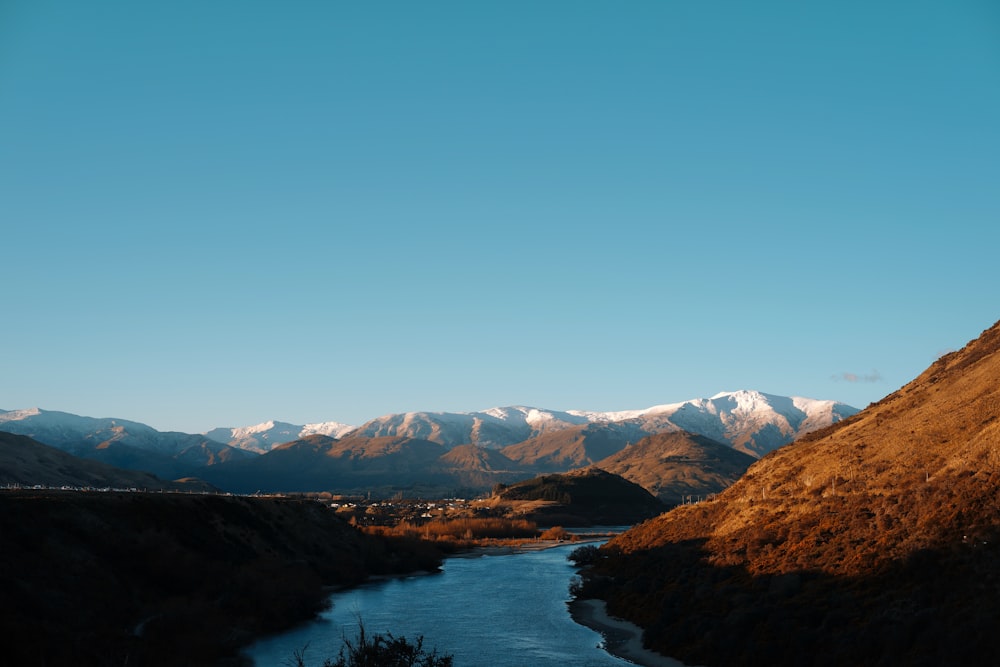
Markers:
<point>679,467</point>
<point>874,541</point>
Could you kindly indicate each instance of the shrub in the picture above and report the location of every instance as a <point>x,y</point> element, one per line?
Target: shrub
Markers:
<point>556,533</point>
<point>380,650</point>
<point>588,554</point>
<point>461,529</point>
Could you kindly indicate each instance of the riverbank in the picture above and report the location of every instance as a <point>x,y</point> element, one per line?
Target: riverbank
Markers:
<point>505,611</point>
<point>621,638</point>
<point>511,547</point>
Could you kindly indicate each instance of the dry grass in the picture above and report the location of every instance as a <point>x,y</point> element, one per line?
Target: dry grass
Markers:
<point>464,531</point>
<point>858,523</point>
<point>885,480</point>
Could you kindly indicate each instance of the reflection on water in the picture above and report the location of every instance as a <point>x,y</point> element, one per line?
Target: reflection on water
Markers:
<point>491,611</point>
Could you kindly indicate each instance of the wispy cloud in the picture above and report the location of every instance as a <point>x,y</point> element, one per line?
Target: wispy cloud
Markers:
<point>874,376</point>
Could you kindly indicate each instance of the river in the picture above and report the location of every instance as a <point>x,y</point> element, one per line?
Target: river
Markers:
<point>487,611</point>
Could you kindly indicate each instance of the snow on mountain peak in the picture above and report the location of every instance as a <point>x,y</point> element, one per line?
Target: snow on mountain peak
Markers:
<point>332,429</point>
<point>17,415</point>
<point>537,417</point>
<point>267,435</point>
<point>745,399</point>
<point>498,413</point>
<point>750,420</point>
<point>513,412</point>
<point>253,430</point>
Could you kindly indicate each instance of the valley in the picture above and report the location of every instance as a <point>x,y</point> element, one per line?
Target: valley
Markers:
<point>169,577</point>
<point>865,538</point>
<point>556,334</point>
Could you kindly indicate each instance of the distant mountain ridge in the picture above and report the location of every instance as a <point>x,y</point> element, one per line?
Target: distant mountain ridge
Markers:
<point>495,445</point>
<point>749,421</point>
<point>119,442</point>
<point>264,437</point>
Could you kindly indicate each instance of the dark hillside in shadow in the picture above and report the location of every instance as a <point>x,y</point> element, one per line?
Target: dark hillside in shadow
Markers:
<point>169,579</point>
<point>936,607</point>
<point>585,497</point>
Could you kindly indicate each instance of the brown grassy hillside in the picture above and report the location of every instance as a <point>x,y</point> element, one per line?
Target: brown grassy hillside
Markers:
<point>474,457</point>
<point>572,447</point>
<point>678,466</point>
<point>474,467</point>
<point>874,541</point>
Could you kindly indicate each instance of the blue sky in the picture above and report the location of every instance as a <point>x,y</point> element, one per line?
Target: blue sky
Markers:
<point>218,213</point>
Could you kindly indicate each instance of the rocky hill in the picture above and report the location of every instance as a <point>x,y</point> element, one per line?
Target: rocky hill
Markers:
<point>875,541</point>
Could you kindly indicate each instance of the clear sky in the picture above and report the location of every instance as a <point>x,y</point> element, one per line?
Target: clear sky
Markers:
<point>219,213</point>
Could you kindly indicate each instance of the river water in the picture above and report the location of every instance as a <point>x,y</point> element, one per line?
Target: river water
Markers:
<point>487,611</point>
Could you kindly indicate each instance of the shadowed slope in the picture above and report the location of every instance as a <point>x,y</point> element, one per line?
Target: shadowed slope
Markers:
<point>580,498</point>
<point>151,580</point>
<point>25,462</point>
<point>319,462</point>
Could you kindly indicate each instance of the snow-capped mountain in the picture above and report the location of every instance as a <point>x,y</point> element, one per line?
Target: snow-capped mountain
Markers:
<point>747,420</point>
<point>264,437</point>
<point>120,442</point>
<point>68,431</point>
<point>493,428</point>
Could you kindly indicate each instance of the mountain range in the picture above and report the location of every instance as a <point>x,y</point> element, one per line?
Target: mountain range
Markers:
<point>262,438</point>
<point>120,442</point>
<point>750,421</point>
<point>446,451</point>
